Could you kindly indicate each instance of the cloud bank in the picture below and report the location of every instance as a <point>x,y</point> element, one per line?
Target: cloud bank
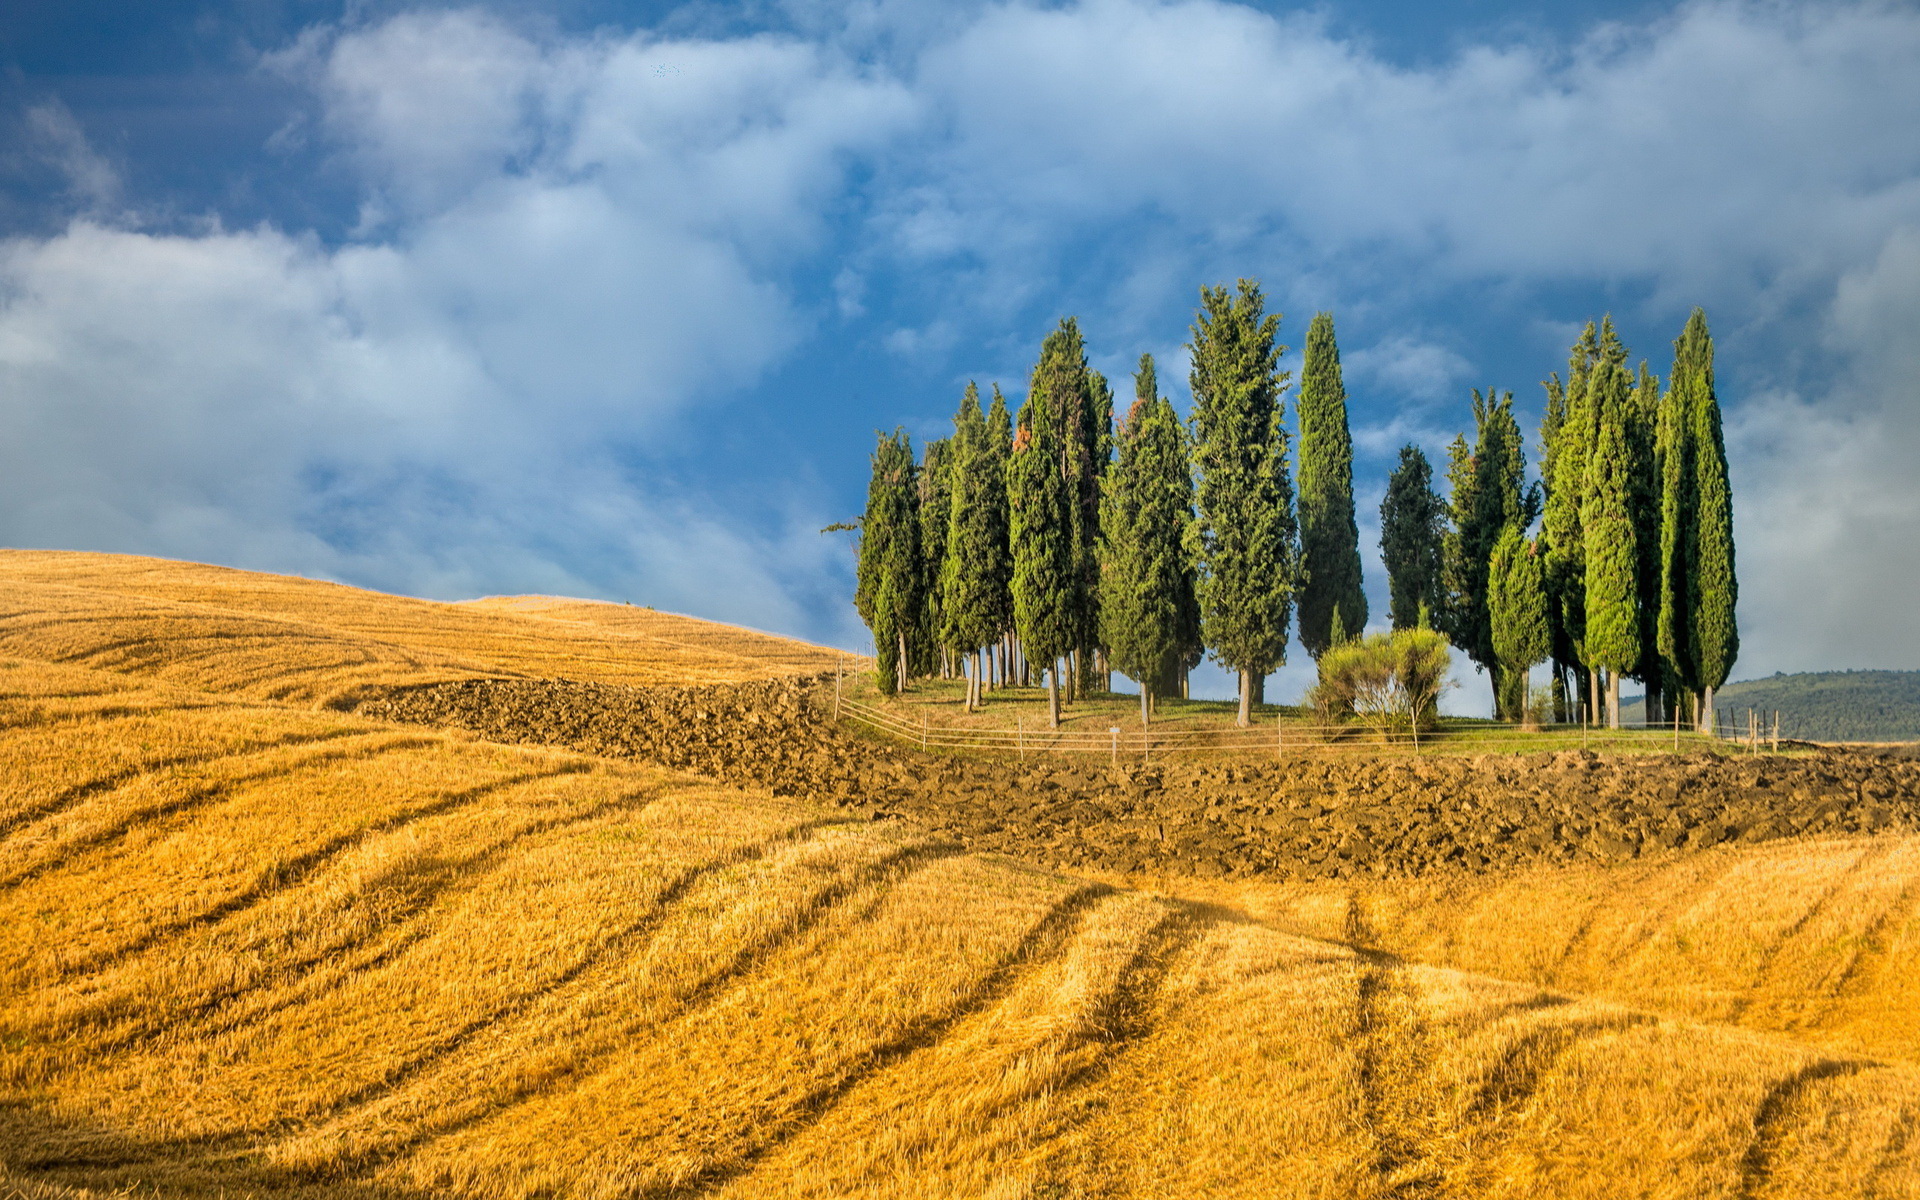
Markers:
<point>570,250</point>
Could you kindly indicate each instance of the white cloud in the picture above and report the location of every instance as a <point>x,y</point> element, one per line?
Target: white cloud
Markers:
<point>576,249</point>
<point>568,242</point>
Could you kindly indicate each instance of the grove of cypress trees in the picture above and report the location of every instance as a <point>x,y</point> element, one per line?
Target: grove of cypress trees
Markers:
<point>1079,409</point>
<point>1146,581</point>
<point>1517,610</point>
<point>1487,494</point>
<point>1612,604</point>
<point>973,571</point>
<point>1046,606</point>
<point>1412,526</point>
<point>1245,529</point>
<point>890,594</point>
<point>1329,537</point>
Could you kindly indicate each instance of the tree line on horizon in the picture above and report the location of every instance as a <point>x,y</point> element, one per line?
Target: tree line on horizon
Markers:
<point>1061,541</point>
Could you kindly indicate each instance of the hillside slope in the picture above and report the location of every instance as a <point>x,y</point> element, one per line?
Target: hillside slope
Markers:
<point>1826,706</point>
<point>253,947</point>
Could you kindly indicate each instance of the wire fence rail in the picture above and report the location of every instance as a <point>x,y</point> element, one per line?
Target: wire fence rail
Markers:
<point>1283,737</point>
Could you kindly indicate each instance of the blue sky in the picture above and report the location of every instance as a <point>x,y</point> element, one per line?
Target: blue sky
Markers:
<point>608,299</point>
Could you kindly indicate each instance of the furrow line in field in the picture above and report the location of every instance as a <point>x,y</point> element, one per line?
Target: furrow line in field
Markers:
<point>1044,943</point>
<point>1777,1111</point>
<point>195,798</point>
<point>1520,1070</point>
<point>1860,865</point>
<point>293,871</point>
<point>403,928</point>
<point>1897,1148</point>
<point>1875,945</point>
<point>621,941</point>
<point>75,794</point>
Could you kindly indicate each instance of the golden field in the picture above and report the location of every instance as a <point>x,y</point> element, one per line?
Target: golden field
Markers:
<point>253,944</point>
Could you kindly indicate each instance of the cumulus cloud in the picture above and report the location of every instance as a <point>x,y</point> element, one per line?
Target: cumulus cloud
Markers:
<point>569,246</point>
<point>573,250</point>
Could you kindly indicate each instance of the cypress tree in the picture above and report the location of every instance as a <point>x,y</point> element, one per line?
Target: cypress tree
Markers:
<point>1644,498</point>
<point>1609,540</point>
<point>1714,589</point>
<point>976,545</point>
<point>1080,409</point>
<point>1047,609</point>
<point>890,594</point>
<point>1245,526</point>
<point>1567,447</point>
<point>1329,537</point>
<point>1412,525</point>
<point>1486,496</point>
<point>935,491</point>
<point>999,575</point>
<point>1517,608</point>
<point>1146,580</point>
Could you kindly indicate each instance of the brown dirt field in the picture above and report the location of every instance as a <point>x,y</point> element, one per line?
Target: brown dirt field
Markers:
<point>1347,817</point>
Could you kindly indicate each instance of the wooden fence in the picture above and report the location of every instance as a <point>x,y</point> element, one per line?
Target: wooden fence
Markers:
<point>1282,737</point>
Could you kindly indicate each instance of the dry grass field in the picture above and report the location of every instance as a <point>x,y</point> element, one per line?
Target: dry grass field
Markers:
<point>254,945</point>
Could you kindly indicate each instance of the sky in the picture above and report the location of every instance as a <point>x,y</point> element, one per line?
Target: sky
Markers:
<point>609,299</point>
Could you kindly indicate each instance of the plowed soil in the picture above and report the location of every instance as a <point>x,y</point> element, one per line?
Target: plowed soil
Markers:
<point>1305,817</point>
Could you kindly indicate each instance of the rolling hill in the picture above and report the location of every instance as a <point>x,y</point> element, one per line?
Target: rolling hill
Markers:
<point>252,943</point>
<point>1825,706</point>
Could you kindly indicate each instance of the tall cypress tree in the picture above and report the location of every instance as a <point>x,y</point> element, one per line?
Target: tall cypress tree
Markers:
<point>890,594</point>
<point>1643,445</point>
<point>1609,540</point>
<point>935,490</point>
<point>1715,589</point>
<point>1412,526</point>
<point>1146,581</point>
<point>975,563</point>
<point>1047,608</point>
<point>1517,610</point>
<point>1080,413</point>
<point>1487,494</point>
<point>1567,446</point>
<point>1000,576</point>
<point>1329,536</point>
<point>1245,529</point>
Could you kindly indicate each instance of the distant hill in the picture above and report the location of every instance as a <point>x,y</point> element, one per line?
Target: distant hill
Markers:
<point>1825,706</point>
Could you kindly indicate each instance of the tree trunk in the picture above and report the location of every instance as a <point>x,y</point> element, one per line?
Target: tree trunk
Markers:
<point>1184,673</point>
<point>900,665</point>
<point>1593,696</point>
<point>1613,699</point>
<point>1073,676</point>
<point>1706,712</point>
<point>1053,696</point>
<point>1246,699</point>
<point>1146,706</point>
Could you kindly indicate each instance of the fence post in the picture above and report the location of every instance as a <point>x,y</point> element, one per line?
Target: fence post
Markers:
<point>1115,731</point>
<point>838,663</point>
<point>923,729</point>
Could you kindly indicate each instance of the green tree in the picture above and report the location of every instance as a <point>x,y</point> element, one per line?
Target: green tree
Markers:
<point>1000,574</point>
<point>1146,579</point>
<point>1702,627</point>
<point>1643,493</point>
<point>973,571</point>
<point>1487,493</point>
<point>935,493</point>
<point>890,593</point>
<point>1517,607</point>
<point>1609,540</point>
<point>1566,442</point>
<point>1245,525</point>
<point>1412,525</point>
<point>1329,537</point>
<point>1046,606</point>
<point>1080,412</point>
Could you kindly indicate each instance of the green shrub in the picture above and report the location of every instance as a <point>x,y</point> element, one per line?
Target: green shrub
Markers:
<point>1390,681</point>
